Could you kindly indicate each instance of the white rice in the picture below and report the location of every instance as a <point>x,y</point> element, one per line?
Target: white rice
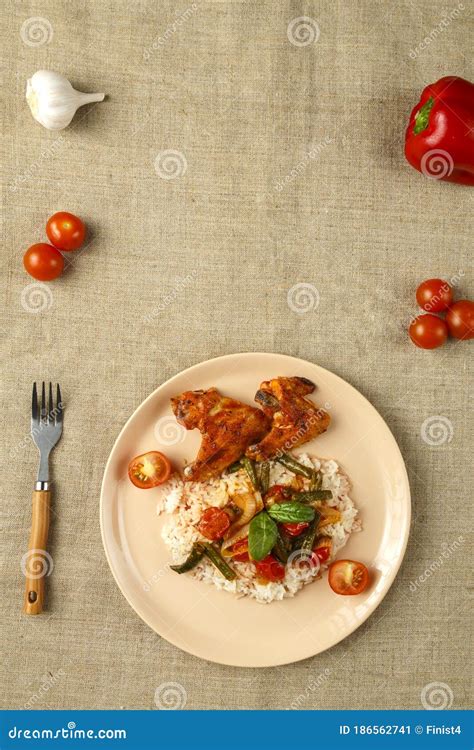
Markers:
<point>185,502</point>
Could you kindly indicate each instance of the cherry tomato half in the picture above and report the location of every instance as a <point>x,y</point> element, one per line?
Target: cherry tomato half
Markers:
<point>434,295</point>
<point>460,319</point>
<point>348,577</point>
<point>270,569</point>
<point>428,331</point>
<point>66,231</point>
<point>43,262</point>
<point>295,529</point>
<point>149,470</point>
<point>214,523</point>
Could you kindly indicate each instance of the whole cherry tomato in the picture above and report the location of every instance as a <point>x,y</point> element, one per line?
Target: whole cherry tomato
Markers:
<point>348,577</point>
<point>214,523</point>
<point>43,262</point>
<point>149,470</point>
<point>428,331</point>
<point>65,231</point>
<point>434,295</point>
<point>460,319</point>
<point>295,529</point>
<point>270,569</point>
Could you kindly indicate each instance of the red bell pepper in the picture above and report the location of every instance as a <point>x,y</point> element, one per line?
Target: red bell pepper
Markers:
<point>439,141</point>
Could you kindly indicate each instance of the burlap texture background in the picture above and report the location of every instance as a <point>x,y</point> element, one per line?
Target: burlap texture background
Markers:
<point>295,174</point>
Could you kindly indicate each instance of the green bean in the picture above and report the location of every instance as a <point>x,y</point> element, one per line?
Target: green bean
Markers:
<point>191,561</point>
<point>234,467</point>
<point>290,463</point>
<point>249,467</point>
<point>219,562</point>
<point>310,536</point>
<point>316,480</point>
<point>264,476</point>
<point>312,496</point>
<point>282,548</point>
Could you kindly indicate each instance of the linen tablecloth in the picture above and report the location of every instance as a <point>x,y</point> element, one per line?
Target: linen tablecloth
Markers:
<point>245,190</point>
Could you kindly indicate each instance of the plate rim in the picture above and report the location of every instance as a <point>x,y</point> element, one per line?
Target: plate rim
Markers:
<point>406,516</point>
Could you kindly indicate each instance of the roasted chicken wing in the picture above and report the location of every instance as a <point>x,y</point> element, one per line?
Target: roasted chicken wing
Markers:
<point>228,427</point>
<point>295,419</point>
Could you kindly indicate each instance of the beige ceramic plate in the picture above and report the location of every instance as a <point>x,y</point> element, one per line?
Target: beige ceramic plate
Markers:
<point>213,624</point>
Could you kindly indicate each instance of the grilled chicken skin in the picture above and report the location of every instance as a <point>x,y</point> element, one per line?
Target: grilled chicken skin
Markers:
<point>228,427</point>
<point>295,419</point>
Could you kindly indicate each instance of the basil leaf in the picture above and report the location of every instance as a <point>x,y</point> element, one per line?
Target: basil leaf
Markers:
<point>262,535</point>
<point>291,512</point>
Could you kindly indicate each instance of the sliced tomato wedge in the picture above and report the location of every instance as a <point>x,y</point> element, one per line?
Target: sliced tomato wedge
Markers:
<point>240,551</point>
<point>149,470</point>
<point>295,529</point>
<point>214,523</point>
<point>270,569</point>
<point>322,553</point>
<point>279,493</point>
<point>348,577</point>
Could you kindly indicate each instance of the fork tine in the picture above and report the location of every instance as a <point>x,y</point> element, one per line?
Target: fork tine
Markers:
<point>59,405</point>
<point>50,404</point>
<point>34,405</point>
<point>43,402</point>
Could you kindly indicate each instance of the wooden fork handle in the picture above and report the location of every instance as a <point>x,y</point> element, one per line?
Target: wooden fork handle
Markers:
<point>37,563</point>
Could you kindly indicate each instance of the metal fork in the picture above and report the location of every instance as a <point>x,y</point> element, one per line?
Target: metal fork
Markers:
<point>46,429</point>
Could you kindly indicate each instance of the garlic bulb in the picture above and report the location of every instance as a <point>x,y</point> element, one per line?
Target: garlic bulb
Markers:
<point>53,101</point>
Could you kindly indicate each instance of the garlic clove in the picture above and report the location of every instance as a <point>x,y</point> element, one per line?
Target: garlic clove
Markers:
<point>53,101</point>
